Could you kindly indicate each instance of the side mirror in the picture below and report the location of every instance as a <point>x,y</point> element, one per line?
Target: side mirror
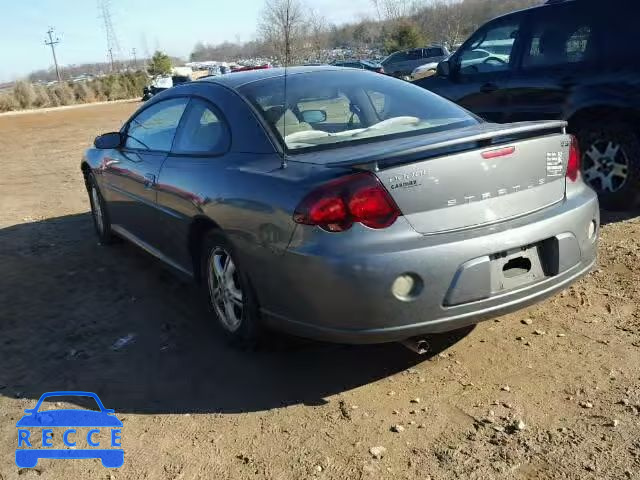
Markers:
<point>108,140</point>
<point>444,68</point>
<point>314,116</point>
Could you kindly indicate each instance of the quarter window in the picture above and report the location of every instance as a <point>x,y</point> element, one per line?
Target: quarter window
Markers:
<point>202,130</point>
<point>155,127</point>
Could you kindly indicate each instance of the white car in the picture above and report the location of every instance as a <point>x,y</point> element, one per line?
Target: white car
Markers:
<point>424,70</point>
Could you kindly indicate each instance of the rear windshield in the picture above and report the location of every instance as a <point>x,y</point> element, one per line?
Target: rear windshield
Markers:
<point>334,108</point>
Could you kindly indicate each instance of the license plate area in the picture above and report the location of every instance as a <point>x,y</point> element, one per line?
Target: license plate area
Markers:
<point>516,268</point>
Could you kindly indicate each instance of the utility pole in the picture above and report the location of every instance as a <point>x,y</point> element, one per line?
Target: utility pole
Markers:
<point>113,46</point>
<point>135,59</point>
<point>52,43</point>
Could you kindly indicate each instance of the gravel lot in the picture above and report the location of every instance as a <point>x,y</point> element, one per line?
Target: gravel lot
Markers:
<point>549,392</point>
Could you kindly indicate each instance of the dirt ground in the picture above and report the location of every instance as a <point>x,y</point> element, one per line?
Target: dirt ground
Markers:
<point>549,392</point>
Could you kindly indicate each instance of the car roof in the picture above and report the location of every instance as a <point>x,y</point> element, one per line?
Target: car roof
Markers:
<point>237,79</point>
<point>548,3</point>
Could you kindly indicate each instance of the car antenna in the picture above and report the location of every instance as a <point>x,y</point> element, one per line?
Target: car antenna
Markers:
<point>287,54</point>
<point>284,128</point>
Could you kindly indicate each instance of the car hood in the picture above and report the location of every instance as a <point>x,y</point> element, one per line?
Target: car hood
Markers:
<point>69,418</point>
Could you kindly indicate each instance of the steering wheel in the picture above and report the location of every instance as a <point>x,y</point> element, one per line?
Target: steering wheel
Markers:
<point>494,59</point>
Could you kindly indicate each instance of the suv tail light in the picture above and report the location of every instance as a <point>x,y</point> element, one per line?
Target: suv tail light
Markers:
<point>573,165</point>
<point>338,204</point>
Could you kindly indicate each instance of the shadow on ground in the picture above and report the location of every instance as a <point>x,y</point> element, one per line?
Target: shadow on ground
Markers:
<point>608,216</point>
<point>66,302</point>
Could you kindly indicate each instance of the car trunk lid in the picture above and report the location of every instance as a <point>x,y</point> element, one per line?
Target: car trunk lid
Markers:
<point>480,186</point>
<point>473,176</point>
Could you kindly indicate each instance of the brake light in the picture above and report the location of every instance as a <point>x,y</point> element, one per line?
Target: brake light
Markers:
<point>338,204</point>
<point>498,152</point>
<point>573,165</point>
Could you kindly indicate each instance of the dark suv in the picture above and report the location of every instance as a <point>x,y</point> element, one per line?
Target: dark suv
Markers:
<point>577,60</point>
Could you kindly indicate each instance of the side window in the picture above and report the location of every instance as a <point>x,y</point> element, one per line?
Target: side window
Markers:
<point>558,39</point>
<point>414,54</point>
<point>202,130</point>
<point>433,52</point>
<point>399,57</point>
<point>490,49</point>
<point>155,127</point>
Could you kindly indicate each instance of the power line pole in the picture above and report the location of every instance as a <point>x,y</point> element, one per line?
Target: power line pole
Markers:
<point>113,46</point>
<point>52,43</point>
<point>135,59</point>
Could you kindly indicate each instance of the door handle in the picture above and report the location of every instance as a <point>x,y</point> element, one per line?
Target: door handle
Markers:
<point>149,180</point>
<point>488,88</point>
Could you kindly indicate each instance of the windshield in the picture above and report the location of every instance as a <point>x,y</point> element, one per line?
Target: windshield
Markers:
<point>323,109</point>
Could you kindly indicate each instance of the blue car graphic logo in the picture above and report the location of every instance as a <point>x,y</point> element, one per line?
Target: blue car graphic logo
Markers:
<point>104,428</point>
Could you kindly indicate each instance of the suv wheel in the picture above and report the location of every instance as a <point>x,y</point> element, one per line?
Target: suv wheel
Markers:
<point>611,164</point>
<point>229,293</point>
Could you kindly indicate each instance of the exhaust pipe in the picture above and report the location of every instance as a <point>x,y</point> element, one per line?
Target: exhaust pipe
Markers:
<point>416,344</point>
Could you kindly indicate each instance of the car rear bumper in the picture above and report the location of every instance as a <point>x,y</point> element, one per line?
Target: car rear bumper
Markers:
<point>342,292</point>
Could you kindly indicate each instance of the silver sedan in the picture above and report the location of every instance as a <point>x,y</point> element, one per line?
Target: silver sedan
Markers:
<point>344,205</point>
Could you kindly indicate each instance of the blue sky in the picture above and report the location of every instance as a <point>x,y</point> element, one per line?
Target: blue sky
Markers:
<point>171,25</point>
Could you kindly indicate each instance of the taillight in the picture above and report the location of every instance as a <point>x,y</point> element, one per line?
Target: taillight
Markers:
<point>338,204</point>
<point>380,70</point>
<point>573,165</point>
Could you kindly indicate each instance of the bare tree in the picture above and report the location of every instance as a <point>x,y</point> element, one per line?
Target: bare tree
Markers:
<point>393,9</point>
<point>451,21</point>
<point>282,26</point>
<point>317,34</point>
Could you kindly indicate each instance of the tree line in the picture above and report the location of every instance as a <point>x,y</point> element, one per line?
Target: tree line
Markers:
<point>290,31</point>
<point>120,86</point>
<point>25,95</point>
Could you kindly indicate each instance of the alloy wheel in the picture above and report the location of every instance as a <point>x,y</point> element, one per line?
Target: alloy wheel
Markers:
<point>225,291</point>
<point>605,166</point>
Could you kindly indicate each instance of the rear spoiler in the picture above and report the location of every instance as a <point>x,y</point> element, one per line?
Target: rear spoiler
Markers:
<point>510,133</point>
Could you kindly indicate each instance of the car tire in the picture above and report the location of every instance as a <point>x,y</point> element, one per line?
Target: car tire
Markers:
<point>611,163</point>
<point>229,293</point>
<point>99,212</point>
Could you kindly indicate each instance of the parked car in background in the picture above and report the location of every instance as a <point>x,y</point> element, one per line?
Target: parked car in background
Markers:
<point>247,68</point>
<point>402,64</point>
<point>355,207</point>
<point>572,60</point>
<point>361,64</point>
<point>425,70</point>
<point>213,71</point>
<point>162,84</point>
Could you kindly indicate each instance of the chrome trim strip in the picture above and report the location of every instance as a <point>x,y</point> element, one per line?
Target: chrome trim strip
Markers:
<point>146,201</point>
<point>148,248</point>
